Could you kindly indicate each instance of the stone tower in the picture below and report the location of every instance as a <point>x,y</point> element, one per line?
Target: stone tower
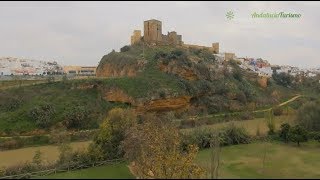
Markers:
<point>152,31</point>
<point>215,47</point>
<point>135,38</point>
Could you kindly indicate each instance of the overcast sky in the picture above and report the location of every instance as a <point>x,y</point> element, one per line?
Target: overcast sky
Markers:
<point>80,33</point>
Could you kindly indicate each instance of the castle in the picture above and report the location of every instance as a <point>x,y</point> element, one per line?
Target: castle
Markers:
<point>153,36</point>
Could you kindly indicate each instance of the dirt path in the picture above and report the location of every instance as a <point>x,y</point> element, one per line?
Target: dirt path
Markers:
<point>263,110</point>
<point>50,153</point>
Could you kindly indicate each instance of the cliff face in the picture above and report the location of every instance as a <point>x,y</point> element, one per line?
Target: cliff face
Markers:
<point>184,72</point>
<point>163,78</point>
<point>263,82</point>
<point>167,104</point>
<point>110,70</point>
<point>118,65</point>
<point>117,95</point>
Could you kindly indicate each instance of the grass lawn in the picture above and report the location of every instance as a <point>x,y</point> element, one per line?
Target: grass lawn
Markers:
<point>282,160</point>
<point>115,171</point>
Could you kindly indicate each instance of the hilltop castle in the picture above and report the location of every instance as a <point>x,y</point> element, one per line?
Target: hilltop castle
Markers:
<point>153,36</point>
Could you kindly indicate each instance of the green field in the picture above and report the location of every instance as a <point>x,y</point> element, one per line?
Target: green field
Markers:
<point>237,161</point>
<point>282,160</point>
<point>115,171</point>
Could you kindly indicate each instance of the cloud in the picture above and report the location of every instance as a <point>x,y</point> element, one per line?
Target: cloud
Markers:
<point>82,32</point>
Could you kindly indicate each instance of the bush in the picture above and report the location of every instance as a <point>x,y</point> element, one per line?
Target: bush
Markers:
<point>246,115</point>
<point>269,117</point>
<point>298,134</point>
<point>50,79</point>
<point>13,104</point>
<point>43,115</point>
<point>277,111</point>
<point>76,118</point>
<point>232,135</point>
<point>187,123</point>
<point>11,144</point>
<point>313,135</point>
<point>112,131</point>
<point>18,142</point>
<point>20,169</point>
<point>283,79</point>
<point>125,49</point>
<point>160,54</point>
<point>284,132</point>
<point>317,137</point>
<point>308,116</point>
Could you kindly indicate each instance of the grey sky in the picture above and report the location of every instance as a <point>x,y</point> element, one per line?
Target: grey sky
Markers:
<point>80,33</point>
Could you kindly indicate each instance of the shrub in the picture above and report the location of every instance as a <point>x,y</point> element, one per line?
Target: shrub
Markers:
<point>11,144</point>
<point>246,115</point>
<point>298,134</point>
<point>112,131</point>
<point>125,49</point>
<point>50,79</point>
<point>36,140</point>
<point>308,116</point>
<point>160,54</point>
<point>229,135</point>
<point>20,169</point>
<point>277,111</point>
<point>269,117</point>
<point>284,132</point>
<point>283,79</point>
<point>241,97</point>
<point>37,158</point>
<point>232,135</point>
<point>13,103</point>
<point>42,115</point>
<point>187,123</point>
<point>76,118</point>
<point>317,137</point>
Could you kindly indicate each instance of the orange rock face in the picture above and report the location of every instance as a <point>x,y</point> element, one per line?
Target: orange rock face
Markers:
<point>165,104</point>
<point>263,82</point>
<point>109,71</point>
<point>183,72</point>
<point>117,95</point>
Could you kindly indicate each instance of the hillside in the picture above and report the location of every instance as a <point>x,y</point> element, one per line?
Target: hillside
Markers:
<point>184,78</point>
<point>150,79</point>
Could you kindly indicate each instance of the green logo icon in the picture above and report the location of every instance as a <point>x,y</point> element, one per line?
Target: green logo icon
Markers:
<point>230,15</point>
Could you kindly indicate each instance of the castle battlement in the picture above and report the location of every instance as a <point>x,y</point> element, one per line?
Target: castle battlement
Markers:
<point>152,34</point>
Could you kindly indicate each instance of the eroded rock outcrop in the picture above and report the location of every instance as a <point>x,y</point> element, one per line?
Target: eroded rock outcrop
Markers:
<point>167,104</point>
<point>117,95</point>
<point>109,70</point>
<point>184,72</point>
<point>263,82</point>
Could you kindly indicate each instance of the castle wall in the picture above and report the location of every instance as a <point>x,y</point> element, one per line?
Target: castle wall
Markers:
<point>229,56</point>
<point>136,37</point>
<point>215,48</point>
<point>173,39</point>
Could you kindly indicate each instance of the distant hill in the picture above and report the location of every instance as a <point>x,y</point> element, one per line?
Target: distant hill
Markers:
<point>19,66</point>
